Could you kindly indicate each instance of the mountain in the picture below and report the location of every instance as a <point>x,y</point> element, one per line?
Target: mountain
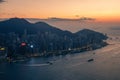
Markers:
<point>44,27</point>
<point>90,33</point>
<point>18,25</point>
<point>45,37</point>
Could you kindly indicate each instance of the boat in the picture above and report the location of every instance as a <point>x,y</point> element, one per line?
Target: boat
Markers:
<point>49,62</point>
<point>90,60</point>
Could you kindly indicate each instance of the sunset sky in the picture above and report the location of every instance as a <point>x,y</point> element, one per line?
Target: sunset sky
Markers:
<point>99,9</point>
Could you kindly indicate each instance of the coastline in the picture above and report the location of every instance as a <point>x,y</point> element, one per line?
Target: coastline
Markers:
<point>52,53</point>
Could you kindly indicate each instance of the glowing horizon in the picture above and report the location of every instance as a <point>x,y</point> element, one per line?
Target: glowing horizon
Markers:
<point>106,10</point>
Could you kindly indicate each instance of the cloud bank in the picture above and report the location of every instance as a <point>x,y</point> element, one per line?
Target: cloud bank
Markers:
<point>66,19</point>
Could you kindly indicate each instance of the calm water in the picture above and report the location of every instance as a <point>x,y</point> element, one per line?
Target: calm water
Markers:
<point>106,66</point>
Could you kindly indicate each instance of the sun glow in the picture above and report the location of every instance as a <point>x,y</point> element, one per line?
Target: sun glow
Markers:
<point>99,9</point>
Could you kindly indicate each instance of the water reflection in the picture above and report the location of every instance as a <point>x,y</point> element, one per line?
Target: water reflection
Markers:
<point>105,66</point>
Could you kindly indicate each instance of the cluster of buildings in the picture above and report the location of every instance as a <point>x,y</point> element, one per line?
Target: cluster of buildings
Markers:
<point>15,46</point>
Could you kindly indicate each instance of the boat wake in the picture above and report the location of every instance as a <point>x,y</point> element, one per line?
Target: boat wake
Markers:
<point>37,65</point>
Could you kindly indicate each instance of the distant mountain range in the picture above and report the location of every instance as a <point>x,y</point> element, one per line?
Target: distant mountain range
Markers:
<point>18,25</point>
<point>46,37</point>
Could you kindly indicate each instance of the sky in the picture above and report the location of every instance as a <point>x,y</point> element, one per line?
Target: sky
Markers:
<point>105,10</point>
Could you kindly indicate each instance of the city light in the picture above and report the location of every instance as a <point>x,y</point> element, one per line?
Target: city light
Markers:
<point>31,46</point>
<point>23,44</point>
<point>2,49</point>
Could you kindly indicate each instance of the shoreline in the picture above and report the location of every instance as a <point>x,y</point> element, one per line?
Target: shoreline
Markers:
<point>48,54</point>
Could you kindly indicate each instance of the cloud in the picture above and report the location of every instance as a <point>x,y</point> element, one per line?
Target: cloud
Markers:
<point>87,18</point>
<point>59,19</point>
<point>67,19</point>
<point>2,1</point>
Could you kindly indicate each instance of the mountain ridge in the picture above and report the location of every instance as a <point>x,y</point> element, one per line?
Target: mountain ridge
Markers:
<point>12,24</point>
<point>46,38</point>
<point>23,24</point>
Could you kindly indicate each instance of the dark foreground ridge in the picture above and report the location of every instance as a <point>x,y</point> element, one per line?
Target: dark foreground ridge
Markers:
<point>20,39</point>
